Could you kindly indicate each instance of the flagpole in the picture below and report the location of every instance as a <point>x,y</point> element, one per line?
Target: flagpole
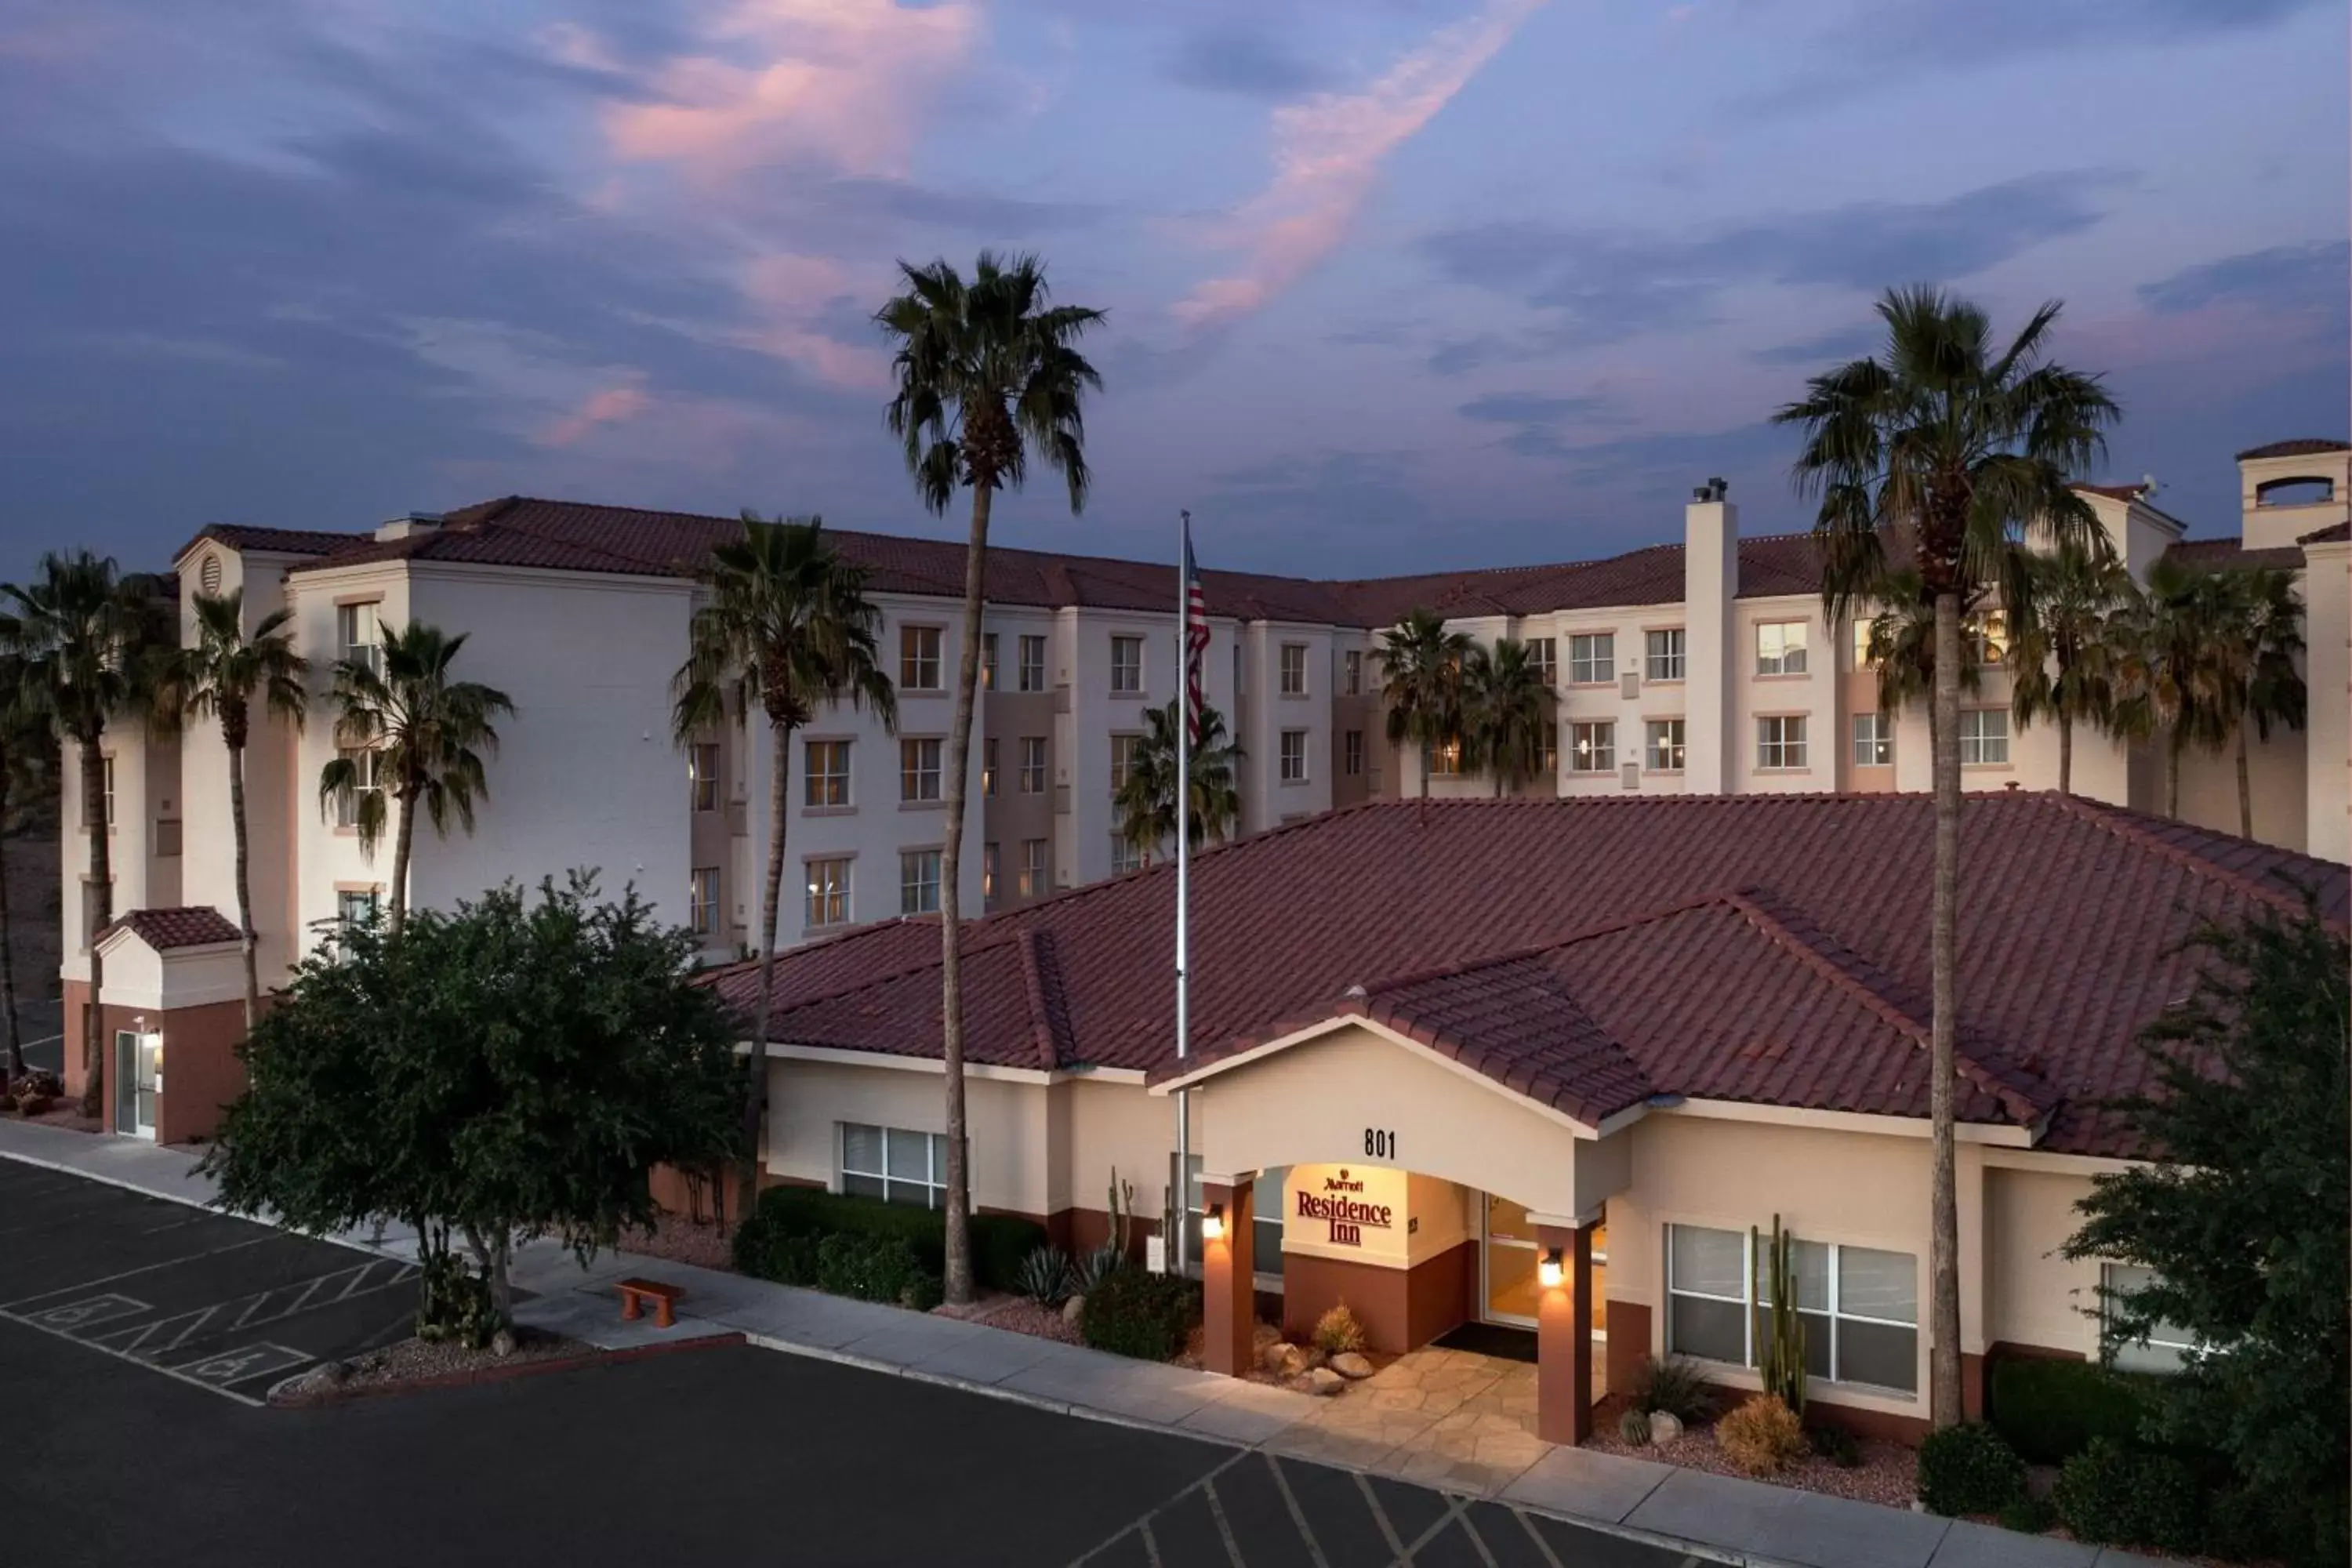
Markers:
<point>1184,880</point>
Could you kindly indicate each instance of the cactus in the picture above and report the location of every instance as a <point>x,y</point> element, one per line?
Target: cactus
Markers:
<point>1633,1428</point>
<point>1122,1213</point>
<point>1780,1339</point>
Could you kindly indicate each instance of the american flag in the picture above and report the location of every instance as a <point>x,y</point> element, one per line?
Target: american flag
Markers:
<point>1196,635</point>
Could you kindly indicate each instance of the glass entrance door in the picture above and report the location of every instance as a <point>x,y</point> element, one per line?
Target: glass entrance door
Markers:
<point>138,1080</point>
<point>1508,1276</point>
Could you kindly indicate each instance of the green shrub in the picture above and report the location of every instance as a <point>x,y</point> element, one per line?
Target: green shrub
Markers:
<point>1836,1445</point>
<point>1337,1332</point>
<point>999,1242</point>
<point>2028,1516</point>
<point>2109,1494</point>
<point>2050,1409</point>
<point>1091,1268</point>
<point>1969,1469</point>
<point>1148,1316</point>
<point>1675,1385</point>
<point>875,1269</point>
<point>1045,1277</point>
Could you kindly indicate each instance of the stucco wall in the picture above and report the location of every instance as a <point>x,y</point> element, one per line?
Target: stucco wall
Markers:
<point>2033,1296</point>
<point>1007,1123</point>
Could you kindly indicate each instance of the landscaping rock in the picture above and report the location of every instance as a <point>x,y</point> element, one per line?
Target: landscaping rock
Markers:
<point>1323,1380</point>
<point>331,1374</point>
<point>1665,1427</point>
<point>1352,1366</point>
<point>502,1343</point>
<point>1074,1309</point>
<point>1289,1360</point>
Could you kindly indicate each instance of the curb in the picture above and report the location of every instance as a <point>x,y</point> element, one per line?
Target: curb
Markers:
<point>470,1377</point>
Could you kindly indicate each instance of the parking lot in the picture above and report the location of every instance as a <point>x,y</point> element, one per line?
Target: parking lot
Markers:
<point>225,1304</point>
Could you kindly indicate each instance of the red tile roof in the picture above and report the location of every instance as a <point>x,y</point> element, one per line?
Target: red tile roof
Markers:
<point>281,540</point>
<point>180,927</point>
<point>2303,447</point>
<point>2117,492</point>
<point>2335,534</point>
<point>2230,554</point>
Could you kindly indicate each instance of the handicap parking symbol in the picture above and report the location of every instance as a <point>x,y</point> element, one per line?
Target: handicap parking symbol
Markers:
<point>245,1361</point>
<point>73,1316</point>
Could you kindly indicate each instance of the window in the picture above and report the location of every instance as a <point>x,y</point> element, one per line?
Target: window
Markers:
<point>1351,746</point>
<point>1547,756</point>
<point>827,769</point>
<point>1860,1306</point>
<point>1033,663</point>
<point>1781,647</point>
<point>1124,857</point>
<point>2167,1345</point>
<point>357,906</point>
<point>1780,741</point>
<point>702,901</point>
<point>1293,756</point>
<point>1266,1221</point>
<point>1294,670</point>
<point>1663,654</point>
<point>988,766</point>
<point>828,893</point>
<point>1355,666</point>
<point>1445,759</point>
<point>919,658</point>
<point>918,881</point>
<point>1861,642</point>
<point>370,764</point>
<point>894,1164</point>
<point>1592,747</point>
<point>1126,665</point>
<point>1033,867</point>
<point>1123,752</point>
<point>109,802</point>
<point>1544,654</point>
<point>988,662</point>
<point>1984,639</point>
<point>356,637</point>
<point>918,770</point>
<point>1033,764</point>
<point>702,775</point>
<point>1874,741</point>
<point>1984,737</point>
<point>987,873</point>
<point>1664,740</point>
<point>1592,659</point>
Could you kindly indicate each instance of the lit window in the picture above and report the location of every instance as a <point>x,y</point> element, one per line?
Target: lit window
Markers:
<point>1123,752</point>
<point>1033,663</point>
<point>1355,672</point>
<point>988,662</point>
<point>1984,639</point>
<point>1293,756</point>
<point>1859,1305</point>
<point>918,770</point>
<point>1126,665</point>
<point>894,1164</point>
<point>918,881</point>
<point>1780,742</point>
<point>828,892</point>
<point>1592,747</point>
<point>919,658</point>
<point>987,873</point>
<point>988,766</point>
<point>1033,867</point>
<point>1592,659</point>
<point>1781,647</point>
<point>1874,741</point>
<point>2167,1344</point>
<point>357,636</point>
<point>1124,855</point>
<point>827,772</point>
<point>1984,737</point>
<point>1663,654</point>
<point>702,775</point>
<point>702,901</point>
<point>1033,764</point>
<point>1446,759</point>
<point>1664,739</point>
<point>1861,642</point>
<point>1294,670</point>
<point>1353,747</point>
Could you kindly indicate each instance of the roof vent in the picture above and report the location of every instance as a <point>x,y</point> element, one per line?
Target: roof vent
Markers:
<point>1715,489</point>
<point>1354,993</point>
<point>408,526</point>
<point>208,574</point>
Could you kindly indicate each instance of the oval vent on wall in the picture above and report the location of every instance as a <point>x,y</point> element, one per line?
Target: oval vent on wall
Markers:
<point>208,574</point>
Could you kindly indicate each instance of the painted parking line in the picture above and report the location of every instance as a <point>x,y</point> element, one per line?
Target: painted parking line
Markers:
<point>72,1317</point>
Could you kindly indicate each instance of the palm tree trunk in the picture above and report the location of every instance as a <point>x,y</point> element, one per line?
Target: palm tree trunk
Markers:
<point>404,839</point>
<point>771,892</point>
<point>959,1281</point>
<point>1944,1231</point>
<point>243,885</point>
<point>2172,775</point>
<point>2245,790</point>
<point>7,949</point>
<point>97,917</point>
<point>2065,753</point>
<point>1421,811</point>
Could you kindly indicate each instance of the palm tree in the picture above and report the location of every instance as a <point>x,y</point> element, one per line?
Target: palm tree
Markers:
<point>27,758</point>
<point>788,629</point>
<point>1146,800</point>
<point>1502,723</point>
<point>2265,639</point>
<point>221,674</point>
<point>2171,674</point>
<point>1420,683</point>
<point>1902,647</point>
<point>416,734</point>
<point>87,640</point>
<point>2061,659</point>
<point>1963,444</point>
<point>985,370</point>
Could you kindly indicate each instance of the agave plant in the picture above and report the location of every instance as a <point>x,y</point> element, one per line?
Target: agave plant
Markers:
<point>1044,1276</point>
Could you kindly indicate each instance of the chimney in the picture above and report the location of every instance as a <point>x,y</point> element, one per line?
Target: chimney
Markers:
<point>407,527</point>
<point>1710,588</point>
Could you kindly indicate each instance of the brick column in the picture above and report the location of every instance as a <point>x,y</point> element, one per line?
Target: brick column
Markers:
<point>1564,1338</point>
<point>1228,1288</point>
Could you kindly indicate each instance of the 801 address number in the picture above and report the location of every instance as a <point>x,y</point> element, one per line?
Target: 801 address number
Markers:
<point>1379,1143</point>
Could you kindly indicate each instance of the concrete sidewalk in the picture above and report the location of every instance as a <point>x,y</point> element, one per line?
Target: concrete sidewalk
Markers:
<point>1715,1518</point>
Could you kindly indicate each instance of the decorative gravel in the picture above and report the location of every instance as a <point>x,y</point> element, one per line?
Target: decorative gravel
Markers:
<point>677,1239</point>
<point>420,1361</point>
<point>1018,1313</point>
<point>63,1113</point>
<point>1888,1473</point>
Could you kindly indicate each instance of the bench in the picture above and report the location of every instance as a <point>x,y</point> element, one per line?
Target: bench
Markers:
<point>636,1293</point>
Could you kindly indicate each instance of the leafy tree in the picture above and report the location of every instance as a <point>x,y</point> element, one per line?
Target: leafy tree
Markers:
<point>986,370</point>
<point>28,778</point>
<point>221,674</point>
<point>1421,685</point>
<point>2062,655</point>
<point>1147,801</point>
<point>787,628</point>
<point>1504,726</point>
<point>416,734</point>
<point>1963,445</point>
<point>508,1069</point>
<point>87,642</point>
<point>2239,1210</point>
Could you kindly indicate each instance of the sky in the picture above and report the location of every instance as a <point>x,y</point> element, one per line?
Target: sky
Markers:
<point>1393,285</point>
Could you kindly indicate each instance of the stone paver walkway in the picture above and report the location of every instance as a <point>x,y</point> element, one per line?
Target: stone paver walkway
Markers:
<point>1439,1417</point>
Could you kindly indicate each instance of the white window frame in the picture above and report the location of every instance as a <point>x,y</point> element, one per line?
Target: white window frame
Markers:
<point>1032,676</point>
<point>820,898</point>
<point>988,767</point>
<point>347,802</point>
<point>2158,1354</point>
<point>988,662</point>
<point>702,770</point>
<point>1978,748</point>
<point>1292,761</point>
<point>921,651</point>
<point>1351,748</point>
<point>1591,658</point>
<point>1544,654</point>
<point>1291,662</point>
<point>352,647</point>
<point>1033,764</point>
<point>1125,665</point>
<point>818,785</point>
<point>1124,857</point>
<point>932,1186</point>
<point>1780,754</point>
<point>1445,759</point>
<point>1355,667</point>
<point>1593,746</point>
<point>915,885</point>
<point>1875,748</point>
<point>702,900</point>
<point>988,858</point>
<point>1753,1307</point>
<point>346,897</point>
<point>1036,867</point>
<point>1123,750</point>
<point>1665,745</point>
<point>1662,653</point>
<point>1776,654</point>
<point>920,769</point>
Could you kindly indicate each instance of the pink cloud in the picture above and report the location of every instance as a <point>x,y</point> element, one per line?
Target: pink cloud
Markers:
<point>1327,151</point>
<point>613,406</point>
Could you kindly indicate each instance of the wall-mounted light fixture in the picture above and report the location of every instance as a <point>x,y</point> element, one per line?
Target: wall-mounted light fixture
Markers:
<point>1548,1271</point>
<point>1212,1223</point>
